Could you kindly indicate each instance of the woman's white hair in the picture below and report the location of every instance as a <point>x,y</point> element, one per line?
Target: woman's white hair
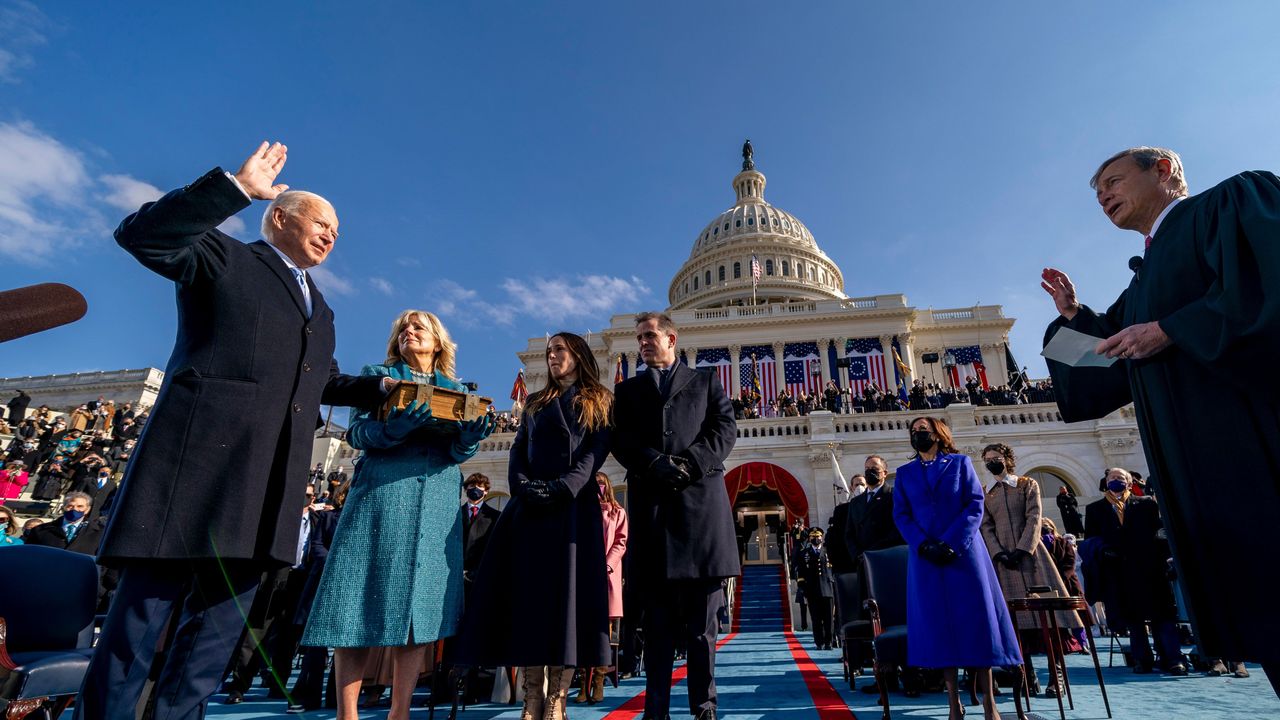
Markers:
<point>290,201</point>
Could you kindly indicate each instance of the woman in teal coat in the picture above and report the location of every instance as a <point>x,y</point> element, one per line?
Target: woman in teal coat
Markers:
<point>393,577</point>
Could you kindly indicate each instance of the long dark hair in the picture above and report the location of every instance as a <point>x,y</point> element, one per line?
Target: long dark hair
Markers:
<point>941,430</point>
<point>594,401</point>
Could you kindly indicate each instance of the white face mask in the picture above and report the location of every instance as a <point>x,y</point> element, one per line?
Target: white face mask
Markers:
<point>859,489</point>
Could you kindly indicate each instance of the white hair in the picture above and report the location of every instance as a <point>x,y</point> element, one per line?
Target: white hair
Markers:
<point>289,201</point>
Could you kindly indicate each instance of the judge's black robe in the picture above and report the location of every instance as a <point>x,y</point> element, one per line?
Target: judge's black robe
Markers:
<point>1207,410</point>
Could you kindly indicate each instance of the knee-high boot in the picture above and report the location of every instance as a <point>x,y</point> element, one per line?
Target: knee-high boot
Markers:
<point>584,692</point>
<point>597,684</point>
<point>534,692</point>
<point>558,680</point>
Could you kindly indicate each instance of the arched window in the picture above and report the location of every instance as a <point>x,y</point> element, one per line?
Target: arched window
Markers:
<point>707,282</point>
<point>695,282</point>
<point>768,267</point>
<point>686,288</point>
<point>799,269</point>
<point>1050,480</point>
<point>720,275</point>
<point>810,273</point>
<point>737,270</point>
<point>786,269</point>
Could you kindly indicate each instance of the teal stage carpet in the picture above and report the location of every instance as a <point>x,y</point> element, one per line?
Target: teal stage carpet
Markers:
<point>765,671</point>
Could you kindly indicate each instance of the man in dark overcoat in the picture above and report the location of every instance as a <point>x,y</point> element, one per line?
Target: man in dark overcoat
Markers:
<point>1133,573</point>
<point>1202,309</point>
<point>241,396</point>
<point>673,429</point>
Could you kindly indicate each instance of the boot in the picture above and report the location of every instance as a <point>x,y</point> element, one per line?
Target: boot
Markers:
<point>558,680</point>
<point>597,684</point>
<point>534,694</point>
<point>583,693</point>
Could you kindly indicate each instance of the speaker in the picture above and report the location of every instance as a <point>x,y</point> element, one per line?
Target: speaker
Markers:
<point>929,358</point>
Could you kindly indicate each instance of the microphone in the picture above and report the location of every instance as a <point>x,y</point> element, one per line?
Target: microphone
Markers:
<point>1135,263</point>
<point>37,308</point>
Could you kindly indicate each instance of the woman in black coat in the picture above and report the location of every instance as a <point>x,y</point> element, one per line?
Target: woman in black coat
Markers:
<point>540,600</point>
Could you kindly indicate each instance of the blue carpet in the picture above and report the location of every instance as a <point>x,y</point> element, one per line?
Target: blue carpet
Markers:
<point>758,677</point>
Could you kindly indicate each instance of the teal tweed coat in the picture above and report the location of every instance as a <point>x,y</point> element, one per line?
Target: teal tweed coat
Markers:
<point>394,572</point>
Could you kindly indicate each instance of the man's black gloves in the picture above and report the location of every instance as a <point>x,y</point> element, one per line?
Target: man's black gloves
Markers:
<point>937,552</point>
<point>672,471</point>
<point>537,491</point>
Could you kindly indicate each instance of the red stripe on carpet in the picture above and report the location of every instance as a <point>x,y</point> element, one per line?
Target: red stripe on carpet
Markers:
<point>825,698</point>
<point>635,706</point>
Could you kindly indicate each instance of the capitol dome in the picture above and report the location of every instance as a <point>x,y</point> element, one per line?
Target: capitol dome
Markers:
<point>718,272</point>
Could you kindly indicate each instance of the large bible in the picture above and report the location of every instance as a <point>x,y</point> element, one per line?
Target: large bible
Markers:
<point>445,404</point>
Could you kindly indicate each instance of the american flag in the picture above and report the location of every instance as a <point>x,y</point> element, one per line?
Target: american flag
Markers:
<point>798,363</point>
<point>755,271</point>
<point>866,364</point>
<point>968,364</point>
<point>717,358</point>
<point>765,362</point>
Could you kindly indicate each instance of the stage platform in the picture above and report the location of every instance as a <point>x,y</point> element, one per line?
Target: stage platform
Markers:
<point>766,672</point>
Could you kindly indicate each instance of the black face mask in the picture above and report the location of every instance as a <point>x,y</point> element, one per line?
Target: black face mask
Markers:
<point>996,467</point>
<point>474,494</point>
<point>922,440</point>
<point>873,476</point>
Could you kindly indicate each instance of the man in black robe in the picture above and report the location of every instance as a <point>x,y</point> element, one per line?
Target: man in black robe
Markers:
<point>1202,310</point>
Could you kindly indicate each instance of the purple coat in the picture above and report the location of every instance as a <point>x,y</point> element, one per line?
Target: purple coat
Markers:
<point>956,615</point>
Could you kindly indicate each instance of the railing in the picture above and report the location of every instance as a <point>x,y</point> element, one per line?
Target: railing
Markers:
<point>893,421</point>
<point>953,315</point>
<point>1016,414</point>
<point>773,427</point>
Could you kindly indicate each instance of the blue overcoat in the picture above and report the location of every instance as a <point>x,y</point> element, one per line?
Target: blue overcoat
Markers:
<point>395,565</point>
<point>956,614</point>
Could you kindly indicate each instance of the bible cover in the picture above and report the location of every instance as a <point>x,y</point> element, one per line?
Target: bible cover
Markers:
<point>445,404</point>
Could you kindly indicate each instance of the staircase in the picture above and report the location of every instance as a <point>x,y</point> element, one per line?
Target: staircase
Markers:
<point>761,606</point>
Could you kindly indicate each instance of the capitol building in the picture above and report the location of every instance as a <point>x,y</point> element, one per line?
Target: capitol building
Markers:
<point>795,328</point>
<point>759,302</point>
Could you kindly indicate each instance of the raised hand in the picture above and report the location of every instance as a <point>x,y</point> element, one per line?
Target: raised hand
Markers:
<point>400,422</point>
<point>1060,288</point>
<point>259,171</point>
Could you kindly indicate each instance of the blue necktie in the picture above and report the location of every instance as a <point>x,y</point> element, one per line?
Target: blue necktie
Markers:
<point>301,276</point>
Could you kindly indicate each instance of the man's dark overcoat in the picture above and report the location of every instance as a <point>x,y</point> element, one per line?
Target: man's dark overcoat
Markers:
<point>1211,277</point>
<point>1132,575</point>
<point>541,595</point>
<point>685,534</point>
<point>222,463</point>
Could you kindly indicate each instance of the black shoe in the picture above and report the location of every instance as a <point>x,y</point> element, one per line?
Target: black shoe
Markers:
<point>1142,669</point>
<point>655,717</point>
<point>708,714</point>
<point>1177,669</point>
<point>235,697</point>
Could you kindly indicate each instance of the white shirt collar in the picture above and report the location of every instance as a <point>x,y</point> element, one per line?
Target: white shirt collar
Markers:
<point>294,266</point>
<point>1160,218</point>
<point>1009,479</point>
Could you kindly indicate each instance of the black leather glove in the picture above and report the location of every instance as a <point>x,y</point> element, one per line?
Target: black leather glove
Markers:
<point>671,471</point>
<point>1001,558</point>
<point>937,552</point>
<point>536,491</point>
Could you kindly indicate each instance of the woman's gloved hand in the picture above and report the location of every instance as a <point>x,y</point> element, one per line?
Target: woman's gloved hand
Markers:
<point>471,433</point>
<point>401,422</point>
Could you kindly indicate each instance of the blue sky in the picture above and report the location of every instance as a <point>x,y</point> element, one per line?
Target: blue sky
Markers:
<point>528,167</point>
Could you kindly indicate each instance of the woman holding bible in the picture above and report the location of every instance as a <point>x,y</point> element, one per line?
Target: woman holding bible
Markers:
<point>393,577</point>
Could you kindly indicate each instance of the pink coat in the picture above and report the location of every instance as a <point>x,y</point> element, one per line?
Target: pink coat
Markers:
<point>11,484</point>
<point>615,544</point>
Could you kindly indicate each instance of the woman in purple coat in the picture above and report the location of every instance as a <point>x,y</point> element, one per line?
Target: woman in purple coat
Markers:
<point>955,611</point>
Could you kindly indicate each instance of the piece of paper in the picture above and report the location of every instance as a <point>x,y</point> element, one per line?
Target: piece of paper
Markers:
<point>1074,348</point>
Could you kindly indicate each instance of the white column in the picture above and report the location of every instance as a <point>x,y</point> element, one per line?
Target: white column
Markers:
<point>779,375</point>
<point>735,378</point>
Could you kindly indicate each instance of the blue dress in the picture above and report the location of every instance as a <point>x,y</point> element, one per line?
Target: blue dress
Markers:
<point>956,614</point>
<point>394,572</point>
